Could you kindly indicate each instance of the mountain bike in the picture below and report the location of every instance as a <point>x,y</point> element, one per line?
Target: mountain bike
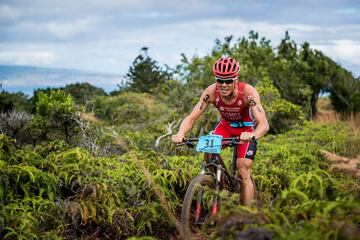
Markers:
<point>201,201</point>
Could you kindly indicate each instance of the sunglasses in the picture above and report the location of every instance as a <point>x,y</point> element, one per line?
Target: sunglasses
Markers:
<point>226,81</point>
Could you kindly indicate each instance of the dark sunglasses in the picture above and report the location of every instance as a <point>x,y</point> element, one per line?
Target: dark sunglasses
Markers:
<point>227,81</point>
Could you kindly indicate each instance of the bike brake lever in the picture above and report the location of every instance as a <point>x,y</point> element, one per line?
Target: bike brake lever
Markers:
<point>189,144</point>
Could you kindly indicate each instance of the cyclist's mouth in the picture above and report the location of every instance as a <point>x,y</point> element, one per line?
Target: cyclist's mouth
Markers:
<point>224,90</point>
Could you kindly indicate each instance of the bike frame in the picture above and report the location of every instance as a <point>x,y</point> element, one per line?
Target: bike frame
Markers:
<point>216,161</point>
<point>204,189</point>
<point>221,175</point>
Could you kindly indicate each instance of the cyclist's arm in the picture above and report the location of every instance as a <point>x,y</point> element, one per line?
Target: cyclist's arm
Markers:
<point>188,122</point>
<point>253,99</point>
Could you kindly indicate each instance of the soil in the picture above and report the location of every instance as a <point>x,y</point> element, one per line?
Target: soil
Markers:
<point>349,166</point>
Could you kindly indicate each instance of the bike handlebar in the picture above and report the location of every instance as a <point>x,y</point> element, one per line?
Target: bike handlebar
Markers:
<point>232,140</point>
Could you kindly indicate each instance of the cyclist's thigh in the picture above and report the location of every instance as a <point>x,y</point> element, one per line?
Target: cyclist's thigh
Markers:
<point>221,129</point>
<point>247,150</point>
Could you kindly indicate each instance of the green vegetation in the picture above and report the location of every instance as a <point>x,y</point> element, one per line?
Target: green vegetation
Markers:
<point>53,116</point>
<point>300,198</point>
<point>13,102</point>
<point>144,75</point>
<point>76,163</point>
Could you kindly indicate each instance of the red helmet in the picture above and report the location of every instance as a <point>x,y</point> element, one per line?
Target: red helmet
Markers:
<point>226,67</point>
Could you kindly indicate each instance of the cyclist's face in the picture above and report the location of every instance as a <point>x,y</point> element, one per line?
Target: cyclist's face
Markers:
<point>226,86</point>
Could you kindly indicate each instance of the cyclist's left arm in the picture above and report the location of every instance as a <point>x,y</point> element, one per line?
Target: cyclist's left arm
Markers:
<point>253,100</point>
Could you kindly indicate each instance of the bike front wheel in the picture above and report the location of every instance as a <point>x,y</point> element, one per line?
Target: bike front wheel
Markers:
<point>199,208</point>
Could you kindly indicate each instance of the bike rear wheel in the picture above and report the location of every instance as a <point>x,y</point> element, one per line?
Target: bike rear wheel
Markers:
<point>198,211</point>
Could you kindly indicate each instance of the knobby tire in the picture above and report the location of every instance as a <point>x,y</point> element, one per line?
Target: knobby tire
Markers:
<point>187,212</point>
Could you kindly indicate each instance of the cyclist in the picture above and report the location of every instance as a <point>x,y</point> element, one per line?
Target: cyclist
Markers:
<point>241,115</point>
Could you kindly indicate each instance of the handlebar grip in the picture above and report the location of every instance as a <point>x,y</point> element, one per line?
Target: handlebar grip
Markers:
<point>189,144</point>
<point>186,142</point>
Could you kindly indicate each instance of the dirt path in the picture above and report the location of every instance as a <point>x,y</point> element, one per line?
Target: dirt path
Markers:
<point>350,166</point>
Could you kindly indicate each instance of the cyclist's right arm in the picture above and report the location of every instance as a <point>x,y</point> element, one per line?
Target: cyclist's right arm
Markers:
<point>205,99</point>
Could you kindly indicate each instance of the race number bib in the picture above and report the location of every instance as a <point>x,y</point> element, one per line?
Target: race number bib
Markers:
<point>209,144</point>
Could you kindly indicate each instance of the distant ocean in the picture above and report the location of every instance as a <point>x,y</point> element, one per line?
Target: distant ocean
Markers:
<point>28,78</point>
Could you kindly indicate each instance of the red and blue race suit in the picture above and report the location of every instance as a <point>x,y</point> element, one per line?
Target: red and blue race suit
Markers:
<point>235,119</point>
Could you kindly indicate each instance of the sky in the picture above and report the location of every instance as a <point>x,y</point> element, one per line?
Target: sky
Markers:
<point>106,35</point>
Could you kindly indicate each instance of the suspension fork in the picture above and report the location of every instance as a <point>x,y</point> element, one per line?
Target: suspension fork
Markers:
<point>198,207</point>
<point>215,200</point>
<point>234,182</point>
<point>233,166</point>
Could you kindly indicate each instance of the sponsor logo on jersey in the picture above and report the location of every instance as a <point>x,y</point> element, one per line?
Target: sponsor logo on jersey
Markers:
<point>239,102</point>
<point>250,152</point>
<point>217,100</point>
<point>232,109</point>
<point>231,116</point>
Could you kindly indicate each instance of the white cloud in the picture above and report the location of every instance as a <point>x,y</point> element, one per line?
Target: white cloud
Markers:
<point>27,57</point>
<point>345,51</point>
<point>217,28</point>
<point>166,42</point>
<point>9,12</point>
<point>66,30</point>
<point>63,8</point>
<point>112,48</point>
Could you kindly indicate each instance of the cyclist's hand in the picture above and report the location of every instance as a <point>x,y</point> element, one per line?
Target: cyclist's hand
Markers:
<point>177,138</point>
<point>247,136</point>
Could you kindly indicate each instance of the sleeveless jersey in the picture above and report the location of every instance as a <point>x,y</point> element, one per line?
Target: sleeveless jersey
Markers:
<point>238,110</point>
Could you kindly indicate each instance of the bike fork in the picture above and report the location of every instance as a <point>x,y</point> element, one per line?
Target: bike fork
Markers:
<point>215,201</point>
<point>198,207</point>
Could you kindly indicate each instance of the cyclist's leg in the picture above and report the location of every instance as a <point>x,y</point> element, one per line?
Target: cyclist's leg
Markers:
<point>245,158</point>
<point>221,128</point>
<point>247,187</point>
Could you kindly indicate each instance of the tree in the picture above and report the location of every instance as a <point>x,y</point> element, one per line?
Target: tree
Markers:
<point>344,91</point>
<point>15,125</point>
<point>13,101</point>
<point>81,92</point>
<point>281,114</point>
<point>54,116</point>
<point>145,74</point>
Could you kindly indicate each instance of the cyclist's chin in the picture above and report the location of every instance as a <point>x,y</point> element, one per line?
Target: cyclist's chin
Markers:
<point>225,92</point>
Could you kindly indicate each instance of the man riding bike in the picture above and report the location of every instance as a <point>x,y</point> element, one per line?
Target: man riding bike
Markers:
<point>241,115</point>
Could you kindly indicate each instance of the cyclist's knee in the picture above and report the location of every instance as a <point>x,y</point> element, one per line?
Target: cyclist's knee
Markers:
<point>244,163</point>
<point>244,173</point>
<point>244,168</point>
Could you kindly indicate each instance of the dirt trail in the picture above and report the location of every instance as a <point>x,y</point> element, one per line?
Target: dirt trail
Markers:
<point>343,164</point>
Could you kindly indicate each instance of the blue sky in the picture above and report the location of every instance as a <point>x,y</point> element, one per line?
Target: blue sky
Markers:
<point>106,35</point>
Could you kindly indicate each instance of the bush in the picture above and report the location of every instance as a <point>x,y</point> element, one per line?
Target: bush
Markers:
<point>282,115</point>
<point>16,125</point>
<point>54,116</point>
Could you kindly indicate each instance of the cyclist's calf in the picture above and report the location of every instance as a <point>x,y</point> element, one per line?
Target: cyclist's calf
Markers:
<point>247,187</point>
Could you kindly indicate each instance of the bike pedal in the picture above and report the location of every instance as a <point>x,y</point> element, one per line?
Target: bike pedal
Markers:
<point>201,221</point>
